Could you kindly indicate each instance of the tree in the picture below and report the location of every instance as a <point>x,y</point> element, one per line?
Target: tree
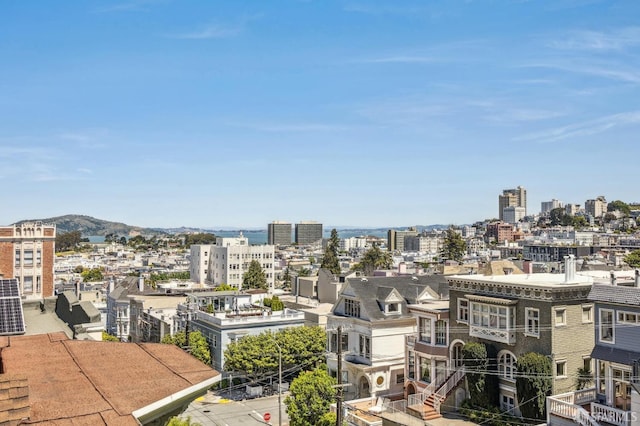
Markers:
<point>200,238</point>
<point>198,346</point>
<point>584,378</point>
<point>177,421</point>
<point>310,397</point>
<point>474,358</point>
<point>286,279</point>
<point>274,303</point>
<point>256,356</point>
<point>106,337</point>
<point>556,216</point>
<point>454,247</point>
<point>633,259</point>
<point>330,258</point>
<point>254,277</point>
<point>373,259</point>
<point>92,275</point>
<point>533,383</point>
<point>224,287</point>
<point>620,206</point>
<point>68,241</point>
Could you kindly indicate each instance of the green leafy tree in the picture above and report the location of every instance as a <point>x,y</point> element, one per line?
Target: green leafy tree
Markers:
<point>633,259</point>
<point>476,362</point>
<point>310,397</point>
<point>556,215</point>
<point>286,279</point>
<point>256,356</point>
<point>254,277</point>
<point>92,275</point>
<point>106,337</point>
<point>198,346</point>
<point>533,383</point>
<point>224,287</point>
<point>177,421</point>
<point>200,238</point>
<point>620,206</point>
<point>454,247</point>
<point>373,259</point>
<point>330,258</point>
<point>304,272</point>
<point>68,241</point>
<point>584,378</point>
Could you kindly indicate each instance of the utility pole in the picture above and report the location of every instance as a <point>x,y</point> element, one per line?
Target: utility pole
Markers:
<point>279,383</point>
<point>339,394</point>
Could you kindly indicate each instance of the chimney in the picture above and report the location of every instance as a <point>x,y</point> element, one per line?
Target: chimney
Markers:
<point>527,265</point>
<point>111,284</point>
<point>613,278</point>
<point>637,279</point>
<point>141,283</point>
<point>569,268</point>
<point>78,289</point>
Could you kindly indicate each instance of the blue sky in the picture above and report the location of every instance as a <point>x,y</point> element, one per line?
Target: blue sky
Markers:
<point>364,113</point>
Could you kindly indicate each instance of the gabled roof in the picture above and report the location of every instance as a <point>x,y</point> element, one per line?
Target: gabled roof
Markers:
<point>89,382</point>
<point>372,293</point>
<point>615,294</point>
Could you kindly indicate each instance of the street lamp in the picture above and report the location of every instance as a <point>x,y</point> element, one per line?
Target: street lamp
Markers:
<point>279,382</point>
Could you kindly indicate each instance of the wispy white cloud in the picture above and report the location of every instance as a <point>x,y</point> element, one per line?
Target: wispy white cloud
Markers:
<point>291,127</point>
<point>88,138</point>
<point>613,71</point>
<point>216,30</point>
<point>128,6</point>
<point>402,59</point>
<point>585,128</point>
<point>509,115</point>
<point>617,39</point>
<point>210,31</point>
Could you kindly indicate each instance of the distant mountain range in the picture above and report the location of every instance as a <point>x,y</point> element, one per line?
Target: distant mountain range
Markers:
<point>88,225</point>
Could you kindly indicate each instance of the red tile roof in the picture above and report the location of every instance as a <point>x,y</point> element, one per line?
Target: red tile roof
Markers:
<point>87,382</point>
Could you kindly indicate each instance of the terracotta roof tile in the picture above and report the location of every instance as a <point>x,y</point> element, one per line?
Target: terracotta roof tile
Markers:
<point>87,382</point>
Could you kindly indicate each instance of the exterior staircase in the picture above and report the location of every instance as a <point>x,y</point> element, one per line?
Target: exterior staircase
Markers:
<point>429,411</point>
<point>434,395</point>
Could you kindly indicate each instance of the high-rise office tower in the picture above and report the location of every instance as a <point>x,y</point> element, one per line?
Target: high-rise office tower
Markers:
<point>279,233</point>
<point>512,198</point>
<point>308,233</point>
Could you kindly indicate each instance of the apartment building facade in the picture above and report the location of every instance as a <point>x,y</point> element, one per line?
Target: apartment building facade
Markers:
<point>230,258</point>
<point>27,253</point>
<point>512,198</point>
<point>515,314</point>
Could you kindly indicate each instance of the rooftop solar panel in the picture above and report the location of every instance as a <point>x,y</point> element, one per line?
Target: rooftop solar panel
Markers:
<point>11,315</point>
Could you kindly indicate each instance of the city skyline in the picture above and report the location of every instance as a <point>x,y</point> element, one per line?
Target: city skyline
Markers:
<point>351,113</point>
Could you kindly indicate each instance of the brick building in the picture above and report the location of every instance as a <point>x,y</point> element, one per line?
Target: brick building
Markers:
<point>27,252</point>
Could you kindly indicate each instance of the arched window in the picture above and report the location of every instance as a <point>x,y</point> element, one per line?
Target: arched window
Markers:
<point>506,364</point>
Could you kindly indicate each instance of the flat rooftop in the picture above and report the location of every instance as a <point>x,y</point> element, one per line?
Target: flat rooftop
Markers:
<point>535,280</point>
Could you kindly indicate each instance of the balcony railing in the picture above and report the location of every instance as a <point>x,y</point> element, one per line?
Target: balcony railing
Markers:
<point>494,334</point>
<point>569,406</point>
<point>614,416</point>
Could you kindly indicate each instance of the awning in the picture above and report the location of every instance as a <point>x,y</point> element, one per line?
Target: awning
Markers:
<point>612,354</point>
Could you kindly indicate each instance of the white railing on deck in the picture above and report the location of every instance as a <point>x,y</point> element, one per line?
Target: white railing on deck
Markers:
<point>568,406</point>
<point>611,415</point>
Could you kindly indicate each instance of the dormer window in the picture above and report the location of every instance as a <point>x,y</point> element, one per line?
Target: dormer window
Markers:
<point>352,308</point>
<point>393,308</point>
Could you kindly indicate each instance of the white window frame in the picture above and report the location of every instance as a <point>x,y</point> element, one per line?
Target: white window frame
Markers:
<point>557,311</point>
<point>463,311</point>
<point>601,325</point>
<point>509,405</point>
<point>589,309</point>
<point>425,329</point>
<point>507,365</point>
<point>563,363</point>
<point>627,318</point>
<point>530,330</point>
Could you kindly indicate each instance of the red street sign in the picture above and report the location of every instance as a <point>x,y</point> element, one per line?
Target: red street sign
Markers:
<point>266,417</point>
